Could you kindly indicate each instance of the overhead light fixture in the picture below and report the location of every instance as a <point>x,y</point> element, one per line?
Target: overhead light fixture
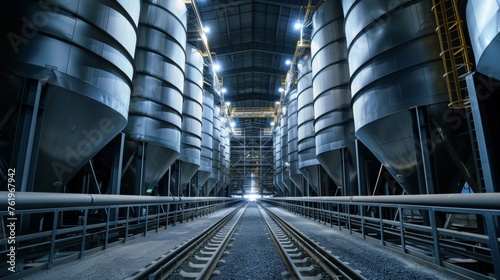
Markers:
<point>223,90</point>
<point>288,62</point>
<point>228,103</point>
<point>233,124</point>
<point>280,90</point>
<point>272,123</point>
<point>216,67</point>
<point>297,25</point>
<point>206,29</point>
<point>277,103</point>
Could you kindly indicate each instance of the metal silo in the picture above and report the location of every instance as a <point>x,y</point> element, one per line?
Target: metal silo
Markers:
<point>223,135</point>
<point>227,159</point>
<point>192,111</point>
<point>285,176</point>
<point>484,29</point>
<point>399,94</point>
<point>227,156</point>
<point>333,121</point>
<point>278,167</point>
<point>293,152</point>
<point>207,131</point>
<point>155,115</point>
<point>72,67</point>
<point>308,164</point>
<point>215,175</point>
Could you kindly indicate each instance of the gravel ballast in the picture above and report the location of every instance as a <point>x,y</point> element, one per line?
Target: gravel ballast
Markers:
<point>374,262</point>
<point>253,254</point>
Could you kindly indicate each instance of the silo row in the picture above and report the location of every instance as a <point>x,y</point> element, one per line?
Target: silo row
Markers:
<point>376,77</point>
<point>125,69</point>
<point>155,115</point>
<point>79,90</point>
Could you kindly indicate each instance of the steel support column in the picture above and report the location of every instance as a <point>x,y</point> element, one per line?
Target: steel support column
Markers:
<point>28,127</point>
<point>484,139</point>
<point>141,168</point>
<point>360,168</point>
<point>423,147</point>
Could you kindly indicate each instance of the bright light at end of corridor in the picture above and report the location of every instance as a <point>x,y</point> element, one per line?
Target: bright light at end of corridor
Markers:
<point>252,196</point>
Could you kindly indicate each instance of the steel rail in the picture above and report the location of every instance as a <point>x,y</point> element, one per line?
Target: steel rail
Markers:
<point>292,269</point>
<point>328,262</point>
<point>206,272</point>
<point>163,267</point>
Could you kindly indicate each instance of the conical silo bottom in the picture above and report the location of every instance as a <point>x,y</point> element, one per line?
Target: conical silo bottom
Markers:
<point>187,170</point>
<point>279,185</point>
<point>71,135</point>
<point>203,177</point>
<point>157,161</point>
<point>287,183</point>
<point>297,180</point>
<point>400,152</point>
<point>212,184</point>
<point>332,162</point>
<point>311,173</point>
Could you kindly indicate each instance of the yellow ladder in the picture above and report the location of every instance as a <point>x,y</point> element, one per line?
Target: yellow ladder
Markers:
<point>454,51</point>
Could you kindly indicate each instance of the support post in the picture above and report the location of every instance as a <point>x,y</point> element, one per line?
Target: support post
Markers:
<point>140,168</point>
<point>360,168</point>
<point>484,140</point>
<point>116,172</point>
<point>423,144</point>
<point>84,232</point>
<point>26,161</point>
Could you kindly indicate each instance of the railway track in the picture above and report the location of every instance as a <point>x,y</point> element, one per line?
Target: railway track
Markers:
<point>304,258</point>
<point>196,258</point>
<point>253,253</point>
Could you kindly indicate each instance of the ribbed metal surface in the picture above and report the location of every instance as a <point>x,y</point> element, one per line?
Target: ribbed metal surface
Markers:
<point>308,164</point>
<point>285,176</point>
<point>334,124</point>
<point>227,151</point>
<point>393,53</point>
<point>86,59</point>
<point>483,22</point>
<point>207,131</point>
<point>192,111</point>
<point>155,115</point>
<point>214,178</point>
<point>227,157</point>
<point>223,135</point>
<point>293,152</point>
<point>278,165</point>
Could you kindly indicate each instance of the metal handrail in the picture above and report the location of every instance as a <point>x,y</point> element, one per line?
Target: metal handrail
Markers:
<point>407,235</point>
<point>37,200</point>
<point>472,200</point>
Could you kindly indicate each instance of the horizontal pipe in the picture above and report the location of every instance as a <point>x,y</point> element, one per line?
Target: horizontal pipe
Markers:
<point>39,200</point>
<point>472,200</point>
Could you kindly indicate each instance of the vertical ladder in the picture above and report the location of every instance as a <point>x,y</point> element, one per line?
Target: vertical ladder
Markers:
<point>456,63</point>
<point>454,51</point>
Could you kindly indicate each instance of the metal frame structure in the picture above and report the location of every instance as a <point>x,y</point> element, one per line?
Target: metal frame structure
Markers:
<point>252,152</point>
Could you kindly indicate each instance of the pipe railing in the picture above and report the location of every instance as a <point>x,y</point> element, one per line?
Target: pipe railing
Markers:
<point>418,225</point>
<point>37,200</point>
<point>49,227</point>
<point>469,200</point>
